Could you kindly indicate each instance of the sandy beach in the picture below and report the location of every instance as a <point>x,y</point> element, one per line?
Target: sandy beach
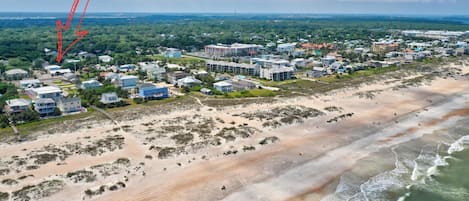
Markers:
<point>288,149</point>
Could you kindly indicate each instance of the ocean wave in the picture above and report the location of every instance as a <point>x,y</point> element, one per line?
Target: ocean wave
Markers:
<point>409,172</point>
<point>459,145</point>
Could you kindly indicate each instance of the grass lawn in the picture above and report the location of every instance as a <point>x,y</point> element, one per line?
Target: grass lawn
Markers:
<point>250,93</point>
<point>28,128</point>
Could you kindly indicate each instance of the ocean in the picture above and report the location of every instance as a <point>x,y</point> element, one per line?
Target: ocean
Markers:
<point>432,168</point>
<point>448,179</point>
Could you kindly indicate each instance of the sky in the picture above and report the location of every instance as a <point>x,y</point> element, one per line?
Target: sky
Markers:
<point>406,7</point>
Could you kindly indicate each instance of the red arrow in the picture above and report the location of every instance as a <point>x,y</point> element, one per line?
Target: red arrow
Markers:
<point>79,33</point>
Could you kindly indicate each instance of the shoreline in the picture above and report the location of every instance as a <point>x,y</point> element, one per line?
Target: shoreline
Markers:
<point>231,152</point>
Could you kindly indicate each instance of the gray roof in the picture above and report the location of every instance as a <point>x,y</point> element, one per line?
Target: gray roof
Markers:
<point>32,81</point>
<point>112,94</point>
<point>18,102</point>
<point>16,71</point>
<point>189,79</point>
<point>222,84</point>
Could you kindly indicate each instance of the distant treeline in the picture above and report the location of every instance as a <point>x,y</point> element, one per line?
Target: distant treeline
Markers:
<point>27,38</point>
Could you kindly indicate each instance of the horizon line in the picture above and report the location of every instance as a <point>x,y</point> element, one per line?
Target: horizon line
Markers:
<point>252,13</point>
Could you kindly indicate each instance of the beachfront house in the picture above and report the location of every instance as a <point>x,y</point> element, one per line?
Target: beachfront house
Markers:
<point>317,72</point>
<point>149,91</point>
<point>188,81</point>
<point>242,84</point>
<point>110,98</point>
<point>69,105</point>
<point>206,91</point>
<point>15,106</point>
<point>223,86</point>
<point>45,106</point>
<point>45,92</point>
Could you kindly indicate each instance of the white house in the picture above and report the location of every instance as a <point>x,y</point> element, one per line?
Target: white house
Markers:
<point>69,105</point>
<point>188,81</point>
<point>109,98</point>
<point>105,58</point>
<point>286,47</point>
<point>14,106</point>
<point>30,83</point>
<point>45,92</point>
<point>223,86</point>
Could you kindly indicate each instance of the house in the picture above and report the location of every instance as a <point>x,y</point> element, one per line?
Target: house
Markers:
<point>86,55</point>
<point>286,48</point>
<point>110,76</point>
<point>60,72</point>
<point>110,98</point>
<point>69,105</point>
<point>128,82</point>
<point>33,83</point>
<point>16,74</point>
<point>188,81</point>
<point>125,68</point>
<point>206,91</point>
<point>156,73</point>
<point>222,77</point>
<point>74,61</point>
<point>50,68</point>
<point>172,53</point>
<point>317,72</point>
<point>15,106</point>
<point>300,62</point>
<point>459,51</point>
<point>200,73</point>
<point>277,73</point>
<point>105,58</point>
<point>45,92</point>
<point>241,84</point>
<point>327,61</point>
<point>90,84</point>
<point>175,67</point>
<point>151,92</point>
<point>337,67</point>
<point>173,77</point>
<point>45,106</point>
<point>223,86</point>
<point>70,77</point>
<point>298,53</point>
